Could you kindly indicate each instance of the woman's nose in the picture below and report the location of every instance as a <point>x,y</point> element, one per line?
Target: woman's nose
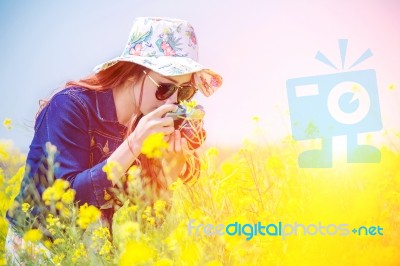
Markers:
<point>173,98</point>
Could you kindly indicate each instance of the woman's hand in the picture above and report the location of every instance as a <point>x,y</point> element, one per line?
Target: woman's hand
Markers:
<point>153,122</point>
<point>176,156</point>
<point>177,149</point>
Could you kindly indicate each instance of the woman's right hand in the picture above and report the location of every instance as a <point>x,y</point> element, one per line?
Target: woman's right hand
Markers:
<point>153,122</point>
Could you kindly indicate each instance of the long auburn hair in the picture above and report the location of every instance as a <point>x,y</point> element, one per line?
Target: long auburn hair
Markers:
<point>112,77</point>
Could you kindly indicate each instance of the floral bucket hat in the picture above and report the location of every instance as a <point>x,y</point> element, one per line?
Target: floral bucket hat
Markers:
<point>169,47</point>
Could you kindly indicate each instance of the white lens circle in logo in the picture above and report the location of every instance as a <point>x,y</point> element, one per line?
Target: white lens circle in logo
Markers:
<point>359,93</point>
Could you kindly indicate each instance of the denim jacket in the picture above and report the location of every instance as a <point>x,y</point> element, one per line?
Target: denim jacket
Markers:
<point>83,125</point>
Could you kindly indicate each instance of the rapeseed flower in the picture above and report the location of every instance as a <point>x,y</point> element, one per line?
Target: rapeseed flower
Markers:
<point>256,184</point>
<point>126,231</point>
<point>136,252</point>
<point>87,215</point>
<point>52,221</point>
<point>189,105</point>
<point>113,170</point>
<point>68,196</point>
<point>133,172</point>
<point>58,241</point>
<point>164,262</point>
<point>154,145</point>
<point>106,248</point>
<point>25,207</point>
<point>55,192</point>
<point>58,259</point>
<point>79,253</point>
<point>7,123</point>
<point>159,208</point>
<point>256,119</point>
<point>33,235</point>
<point>213,151</point>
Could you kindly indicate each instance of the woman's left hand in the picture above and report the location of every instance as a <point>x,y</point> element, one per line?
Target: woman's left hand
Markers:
<point>175,157</point>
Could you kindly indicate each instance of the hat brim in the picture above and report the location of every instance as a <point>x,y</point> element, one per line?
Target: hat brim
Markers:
<point>206,80</point>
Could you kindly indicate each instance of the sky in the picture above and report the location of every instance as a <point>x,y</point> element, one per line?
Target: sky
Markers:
<point>255,45</point>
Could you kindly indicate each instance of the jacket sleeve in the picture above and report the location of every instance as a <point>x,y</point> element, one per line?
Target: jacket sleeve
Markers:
<point>67,121</point>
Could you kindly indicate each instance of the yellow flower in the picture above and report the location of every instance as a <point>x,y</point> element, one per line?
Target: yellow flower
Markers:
<point>274,162</point>
<point>256,118</point>
<point>147,212</point>
<point>190,253</point>
<point>228,168</point>
<point>55,192</point>
<point>1,176</point>
<point>57,259</point>
<point>25,207</point>
<point>60,185</point>
<point>176,185</point>
<point>189,105</point>
<point>7,123</point>
<point>68,196</point>
<point>151,220</point>
<point>311,129</point>
<point>101,233</point>
<point>214,263</point>
<point>33,235</point>
<point>164,262</point>
<point>51,220</point>
<point>12,188</point>
<point>106,248</point>
<point>159,207</point>
<point>133,208</point>
<point>391,87</point>
<point>65,212</point>
<point>154,145</point>
<point>136,252</point>
<point>58,241</point>
<point>113,170</point>
<point>126,231</point>
<point>60,206</point>
<point>213,151</point>
<point>147,215</point>
<point>87,215</point>
<point>133,172</point>
<point>79,253</point>
<point>47,244</point>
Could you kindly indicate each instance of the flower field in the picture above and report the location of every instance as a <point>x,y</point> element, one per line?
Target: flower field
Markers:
<point>258,182</point>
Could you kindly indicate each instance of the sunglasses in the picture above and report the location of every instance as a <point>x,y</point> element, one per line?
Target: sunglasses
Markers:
<point>166,90</point>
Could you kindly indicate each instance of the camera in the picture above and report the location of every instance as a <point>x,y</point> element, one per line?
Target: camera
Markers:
<point>190,124</point>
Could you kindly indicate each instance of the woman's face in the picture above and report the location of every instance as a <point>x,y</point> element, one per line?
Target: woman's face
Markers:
<point>149,100</point>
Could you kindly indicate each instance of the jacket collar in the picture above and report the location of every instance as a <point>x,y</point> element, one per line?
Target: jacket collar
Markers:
<point>105,106</point>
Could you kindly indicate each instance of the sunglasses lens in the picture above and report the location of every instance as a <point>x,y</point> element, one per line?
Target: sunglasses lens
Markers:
<point>186,93</point>
<point>164,91</point>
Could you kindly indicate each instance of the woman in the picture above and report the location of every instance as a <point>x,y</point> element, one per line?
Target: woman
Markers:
<point>108,115</point>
